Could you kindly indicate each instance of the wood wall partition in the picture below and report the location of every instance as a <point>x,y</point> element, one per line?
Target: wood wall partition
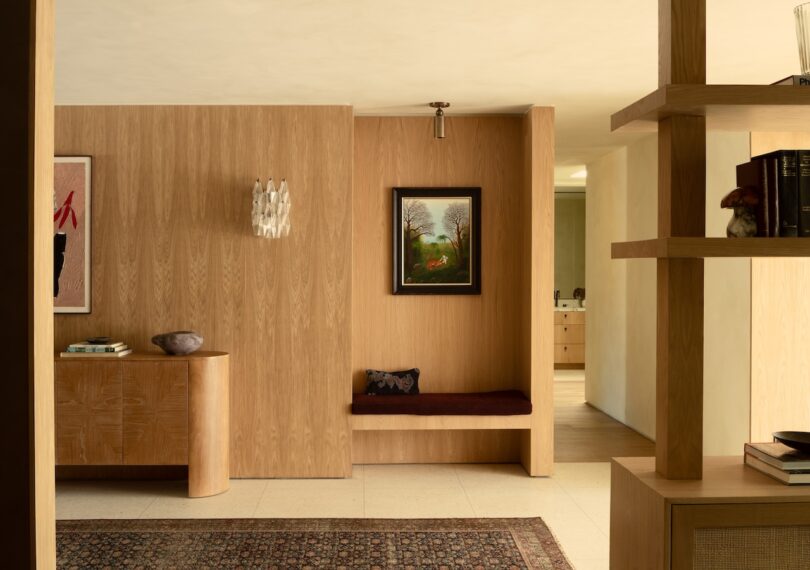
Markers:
<point>26,299</point>
<point>460,343</point>
<point>173,249</point>
<point>780,313</point>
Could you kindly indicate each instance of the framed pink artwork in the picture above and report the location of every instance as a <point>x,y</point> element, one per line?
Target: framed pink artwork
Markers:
<point>71,240</point>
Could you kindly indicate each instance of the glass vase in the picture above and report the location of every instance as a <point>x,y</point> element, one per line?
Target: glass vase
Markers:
<point>802,12</point>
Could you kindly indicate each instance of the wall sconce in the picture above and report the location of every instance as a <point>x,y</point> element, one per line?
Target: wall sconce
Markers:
<point>271,210</point>
<point>438,121</point>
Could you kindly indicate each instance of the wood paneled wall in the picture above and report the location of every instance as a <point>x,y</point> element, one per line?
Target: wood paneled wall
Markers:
<point>780,326</point>
<point>173,249</point>
<point>460,343</point>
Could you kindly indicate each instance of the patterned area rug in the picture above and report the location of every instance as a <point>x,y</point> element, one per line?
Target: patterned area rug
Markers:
<point>309,543</point>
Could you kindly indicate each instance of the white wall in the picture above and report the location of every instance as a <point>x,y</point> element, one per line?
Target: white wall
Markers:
<point>727,311</point>
<point>621,329</point>
<point>606,284</point>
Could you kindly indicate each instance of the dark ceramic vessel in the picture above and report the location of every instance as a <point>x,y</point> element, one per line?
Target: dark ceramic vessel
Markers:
<point>178,342</point>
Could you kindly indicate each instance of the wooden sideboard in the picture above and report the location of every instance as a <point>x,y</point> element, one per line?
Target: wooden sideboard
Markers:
<point>146,409</point>
<point>569,337</point>
<point>735,517</point>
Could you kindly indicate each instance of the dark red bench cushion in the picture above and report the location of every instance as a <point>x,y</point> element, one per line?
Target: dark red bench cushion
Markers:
<point>504,403</point>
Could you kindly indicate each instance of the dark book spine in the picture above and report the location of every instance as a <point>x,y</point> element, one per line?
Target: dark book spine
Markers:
<point>787,185</point>
<point>754,174</point>
<point>803,165</point>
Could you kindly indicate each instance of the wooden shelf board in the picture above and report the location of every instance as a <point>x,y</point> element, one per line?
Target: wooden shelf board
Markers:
<point>697,247</point>
<point>784,108</point>
<point>724,478</point>
<point>385,422</point>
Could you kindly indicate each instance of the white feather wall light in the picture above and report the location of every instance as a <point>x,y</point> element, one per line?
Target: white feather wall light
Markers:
<point>271,210</point>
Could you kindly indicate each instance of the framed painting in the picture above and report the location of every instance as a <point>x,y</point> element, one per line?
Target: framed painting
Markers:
<point>71,240</point>
<point>437,241</point>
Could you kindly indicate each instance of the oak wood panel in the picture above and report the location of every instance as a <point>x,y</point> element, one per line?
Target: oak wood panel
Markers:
<point>208,426</point>
<point>702,247</point>
<point>372,422</point>
<point>725,480</point>
<point>155,413</point>
<point>537,326</point>
<point>569,334</point>
<point>569,317</point>
<point>173,248</point>
<point>784,552</point>
<point>26,161</point>
<point>569,353</point>
<point>88,413</point>
<point>726,107</point>
<point>40,283</point>
<point>780,325</point>
<point>474,341</point>
<point>441,446</point>
<point>679,347</point>
<point>463,343</point>
<point>639,522</point>
<point>681,41</point>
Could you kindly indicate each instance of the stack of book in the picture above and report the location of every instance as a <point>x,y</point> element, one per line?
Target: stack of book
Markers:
<point>779,461</point>
<point>782,182</point>
<point>87,349</point>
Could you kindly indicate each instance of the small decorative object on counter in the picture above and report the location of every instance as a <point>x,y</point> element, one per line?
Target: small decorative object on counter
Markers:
<point>579,295</point>
<point>744,202</point>
<point>178,342</point>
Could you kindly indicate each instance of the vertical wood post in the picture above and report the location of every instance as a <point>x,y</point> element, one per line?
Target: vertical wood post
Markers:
<point>681,212</point>
<point>26,289</point>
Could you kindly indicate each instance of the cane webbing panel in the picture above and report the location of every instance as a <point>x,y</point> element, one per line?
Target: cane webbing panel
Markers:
<point>752,548</point>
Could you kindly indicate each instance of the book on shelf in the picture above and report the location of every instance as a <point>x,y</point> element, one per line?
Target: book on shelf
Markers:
<point>783,176</point>
<point>782,181</point>
<point>779,455</point>
<point>803,166</point>
<point>792,477</point>
<point>118,354</point>
<point>794,80</point>
<point>87,347</point>
<point>754,174</point>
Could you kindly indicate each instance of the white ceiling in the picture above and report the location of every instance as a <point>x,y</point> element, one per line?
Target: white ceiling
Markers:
<point>587,58</point>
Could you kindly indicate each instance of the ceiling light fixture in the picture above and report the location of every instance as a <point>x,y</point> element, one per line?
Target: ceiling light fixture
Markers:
<point>438,121</point>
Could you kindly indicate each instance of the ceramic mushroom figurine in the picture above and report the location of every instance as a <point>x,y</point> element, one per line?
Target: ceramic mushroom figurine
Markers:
<point>744,202</point>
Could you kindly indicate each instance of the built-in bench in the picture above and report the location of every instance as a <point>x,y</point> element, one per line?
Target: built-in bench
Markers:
<point>508,409</point>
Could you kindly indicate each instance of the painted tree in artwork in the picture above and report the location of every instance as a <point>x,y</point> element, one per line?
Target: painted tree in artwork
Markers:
<point>416,222</point>
<point>456,222</point>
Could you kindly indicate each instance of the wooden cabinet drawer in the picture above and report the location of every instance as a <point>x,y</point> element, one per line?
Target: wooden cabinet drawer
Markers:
<point>569,317</point>
<point>569,353</point>
<point>88,413</point>
<point>155,413</point>
<point>569,334</point>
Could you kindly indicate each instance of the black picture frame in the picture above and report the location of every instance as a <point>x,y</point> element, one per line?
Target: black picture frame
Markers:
<point>400,274</point>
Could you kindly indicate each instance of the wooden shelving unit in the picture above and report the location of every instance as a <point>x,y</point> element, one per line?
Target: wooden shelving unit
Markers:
<point>697,248</point>
<point>660,509</point>
<point>725,107</point>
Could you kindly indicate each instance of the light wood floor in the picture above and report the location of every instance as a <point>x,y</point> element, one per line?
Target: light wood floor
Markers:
<point>584,434</point>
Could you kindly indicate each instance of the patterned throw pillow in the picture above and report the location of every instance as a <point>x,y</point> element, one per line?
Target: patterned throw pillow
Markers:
<point>399,382</point>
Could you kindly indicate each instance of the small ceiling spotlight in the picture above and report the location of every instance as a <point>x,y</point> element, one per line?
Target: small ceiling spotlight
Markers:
<point>438,121</point>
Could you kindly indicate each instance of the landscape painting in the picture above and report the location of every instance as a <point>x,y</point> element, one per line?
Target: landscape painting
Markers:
<point>437,237</point>
<point>71,240</point>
